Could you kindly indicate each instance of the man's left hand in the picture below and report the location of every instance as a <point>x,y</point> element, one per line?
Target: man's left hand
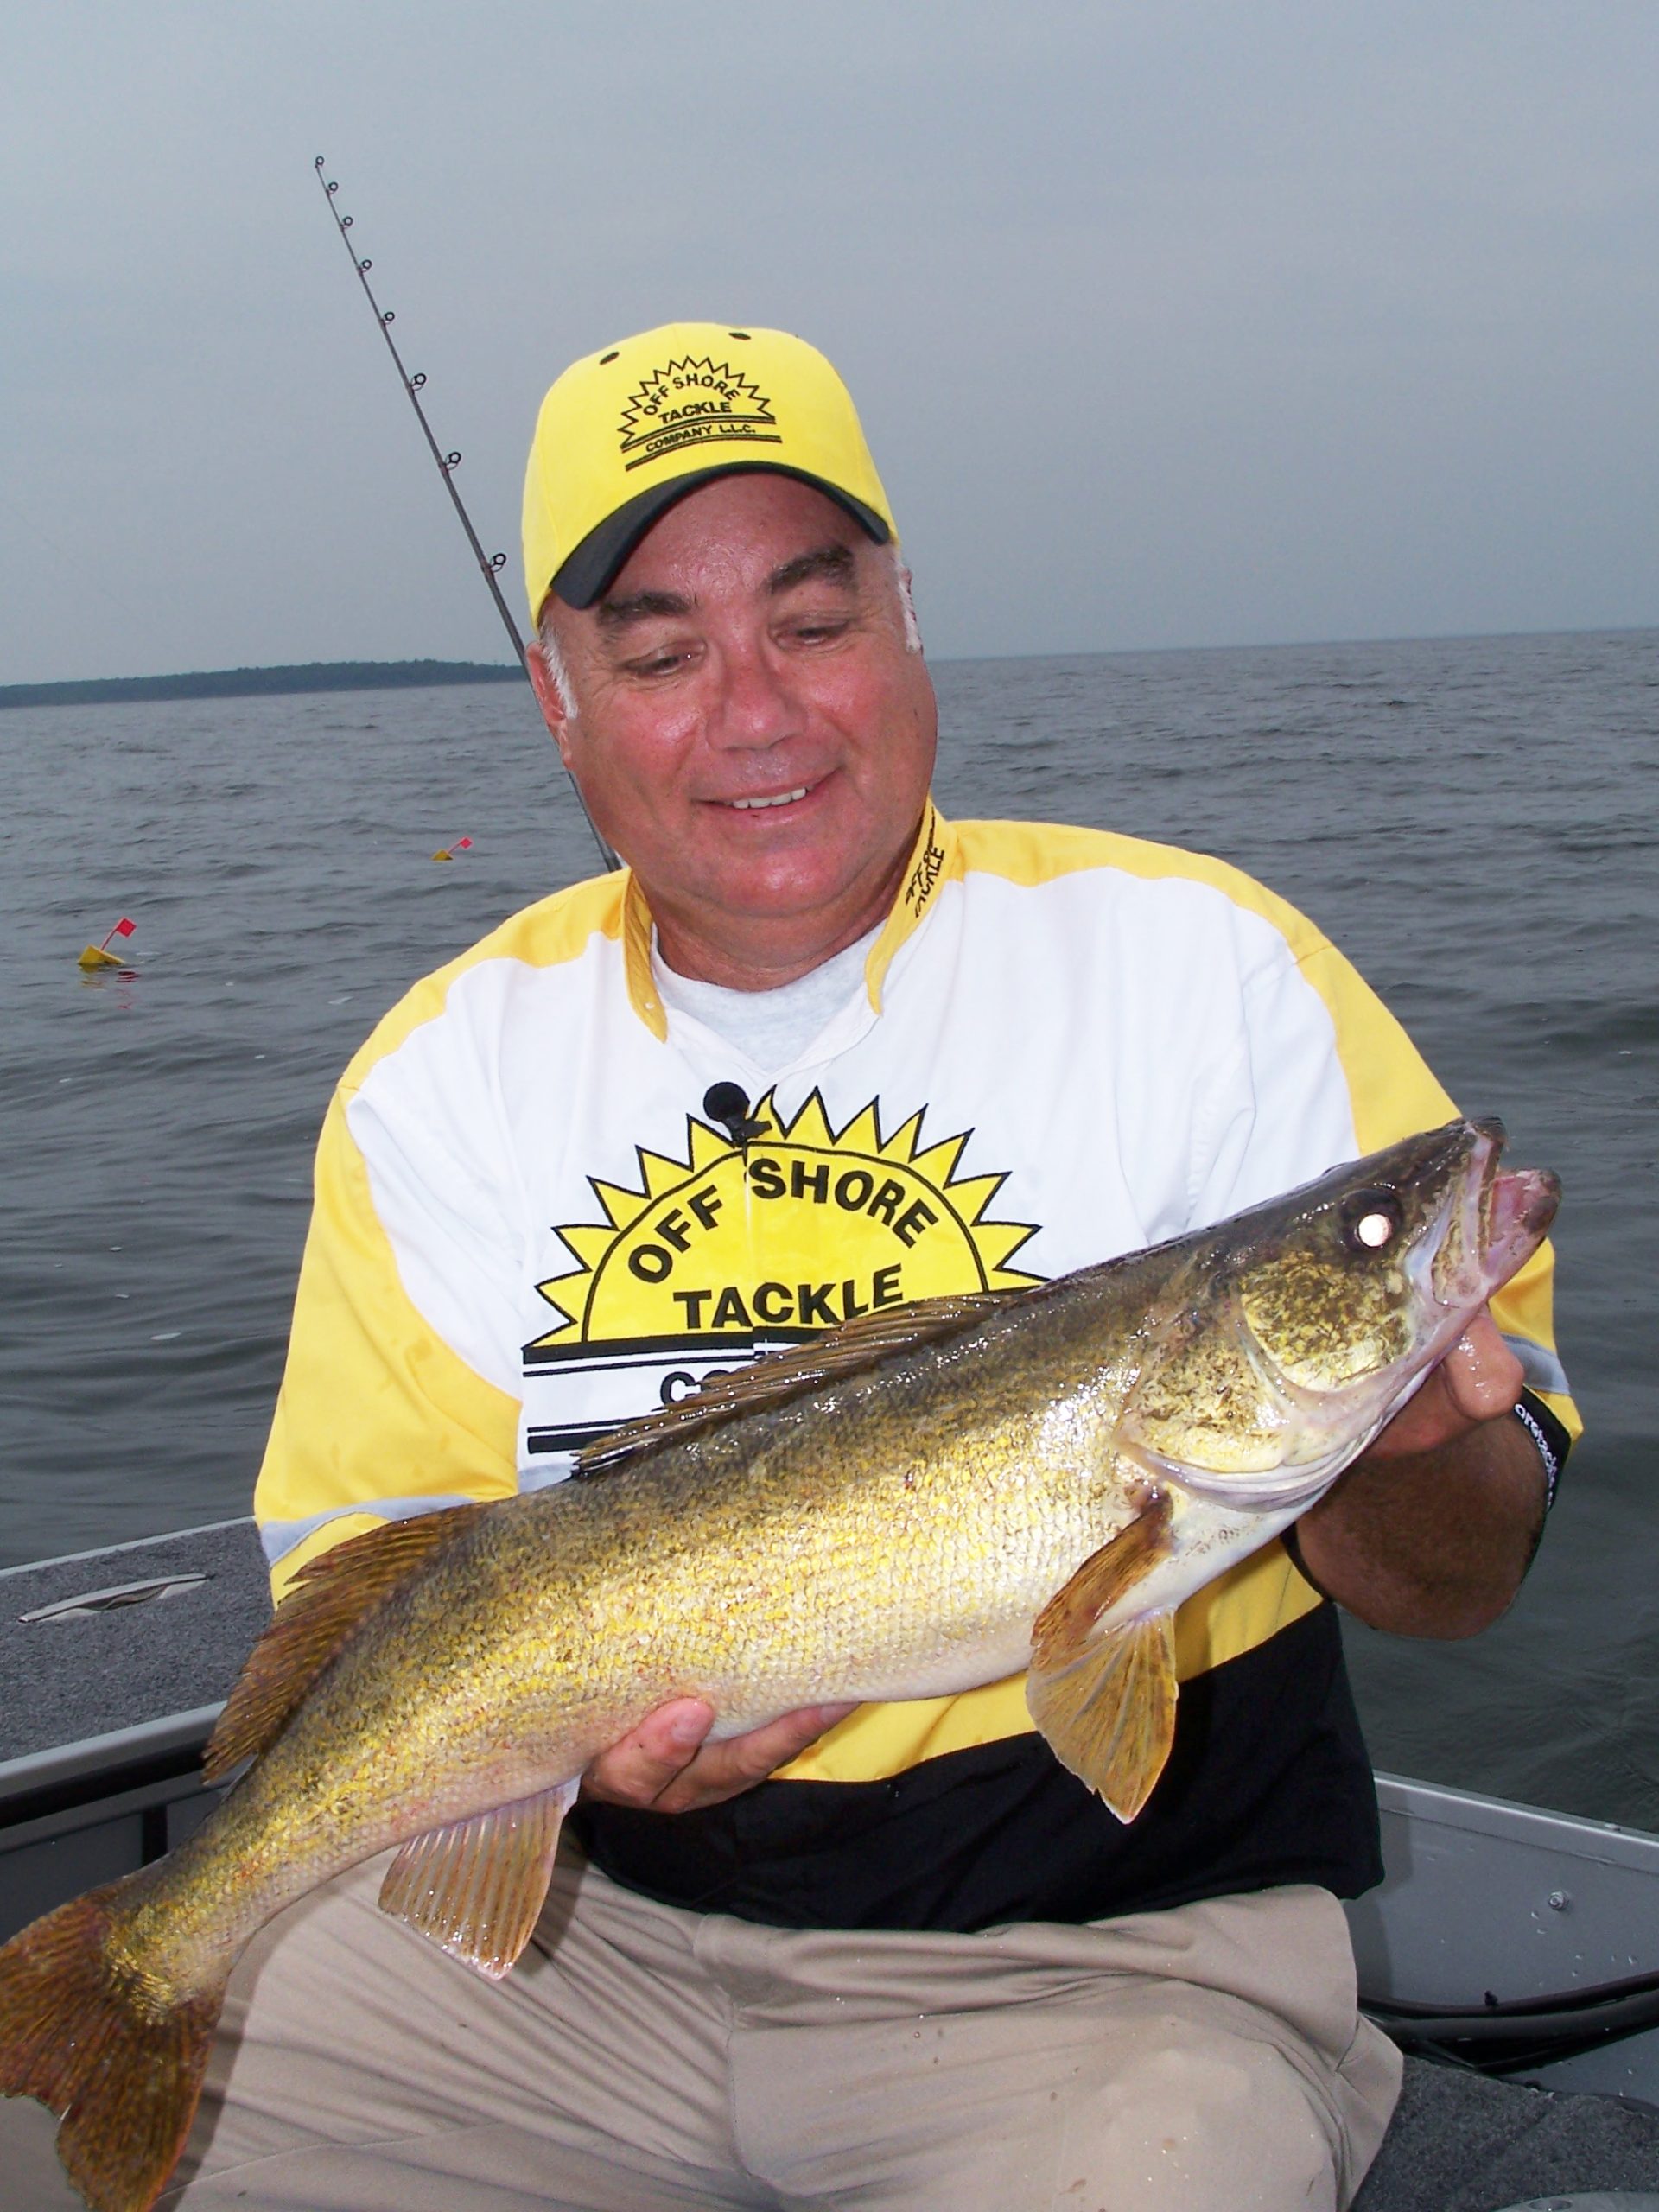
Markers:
<point>1479,1380</point>
<point>666,1765</point>
<point>1431,1529</point>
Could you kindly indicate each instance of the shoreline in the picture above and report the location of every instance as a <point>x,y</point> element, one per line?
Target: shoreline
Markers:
<point>249,683</point>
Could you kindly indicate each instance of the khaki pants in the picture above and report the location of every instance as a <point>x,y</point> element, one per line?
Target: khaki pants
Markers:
<point>1209,2059</point>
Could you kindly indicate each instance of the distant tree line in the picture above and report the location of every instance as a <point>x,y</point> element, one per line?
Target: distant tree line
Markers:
<point>240,682</point>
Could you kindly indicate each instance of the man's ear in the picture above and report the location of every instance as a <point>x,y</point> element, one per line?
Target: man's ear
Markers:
<point>548,698</point>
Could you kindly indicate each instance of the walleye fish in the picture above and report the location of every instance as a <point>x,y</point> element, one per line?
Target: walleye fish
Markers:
<point>923,1501</point>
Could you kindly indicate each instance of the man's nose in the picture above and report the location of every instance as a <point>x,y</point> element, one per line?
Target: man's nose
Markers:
<point>756,705</point>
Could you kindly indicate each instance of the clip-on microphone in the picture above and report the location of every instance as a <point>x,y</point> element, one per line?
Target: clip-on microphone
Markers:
<point>728,1104</point>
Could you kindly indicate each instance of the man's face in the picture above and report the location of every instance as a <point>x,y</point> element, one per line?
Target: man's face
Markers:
<point>752,732</point>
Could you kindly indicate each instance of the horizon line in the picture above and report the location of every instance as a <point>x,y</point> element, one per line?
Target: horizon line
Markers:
<point>256,677</point>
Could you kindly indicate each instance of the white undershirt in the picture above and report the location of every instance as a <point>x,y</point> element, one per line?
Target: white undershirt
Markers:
<point>773,1027</point>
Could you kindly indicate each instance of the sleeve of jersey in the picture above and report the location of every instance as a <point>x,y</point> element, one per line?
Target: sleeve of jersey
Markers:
<point>381,1415</point>
<point>1324,1048</point>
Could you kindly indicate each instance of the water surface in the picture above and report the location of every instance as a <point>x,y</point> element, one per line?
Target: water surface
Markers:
<point>1474,821</point>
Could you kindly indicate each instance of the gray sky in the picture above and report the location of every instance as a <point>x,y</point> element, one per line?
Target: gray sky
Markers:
<point>1178,323</point>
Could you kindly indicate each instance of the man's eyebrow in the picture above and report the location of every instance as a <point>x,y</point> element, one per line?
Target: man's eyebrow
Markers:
<point>830,563</point>
<point>615,615</point>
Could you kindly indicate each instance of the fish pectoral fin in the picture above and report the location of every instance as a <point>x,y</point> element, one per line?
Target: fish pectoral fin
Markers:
<point>1105,1699</point>
<point>1109,1715</point>
<point>477,1888</point>
<point>331,1597</point>
<point>1063,1629</point>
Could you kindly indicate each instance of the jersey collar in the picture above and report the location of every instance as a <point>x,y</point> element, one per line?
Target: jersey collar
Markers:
<point>934,860</point>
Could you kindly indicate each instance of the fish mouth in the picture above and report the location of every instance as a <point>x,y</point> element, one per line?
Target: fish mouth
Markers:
<point>1494,1220</point>
<point>1521,1205</point>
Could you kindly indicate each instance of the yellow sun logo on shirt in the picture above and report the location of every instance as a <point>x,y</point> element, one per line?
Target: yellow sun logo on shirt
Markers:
<point>804,1227</point>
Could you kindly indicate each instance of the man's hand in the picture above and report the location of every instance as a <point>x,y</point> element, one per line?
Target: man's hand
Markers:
<point>1479,1380</point>
<point>664,1765</point>
<point>1431,1529</point>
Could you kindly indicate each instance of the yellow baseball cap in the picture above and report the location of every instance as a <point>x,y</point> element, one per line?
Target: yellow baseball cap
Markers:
<point>625,433</point>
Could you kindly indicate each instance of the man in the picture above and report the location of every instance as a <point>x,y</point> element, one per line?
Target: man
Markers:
<point>819,1051</point>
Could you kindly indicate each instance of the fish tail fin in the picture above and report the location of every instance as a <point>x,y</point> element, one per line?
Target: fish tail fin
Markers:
<point>82,2029</point>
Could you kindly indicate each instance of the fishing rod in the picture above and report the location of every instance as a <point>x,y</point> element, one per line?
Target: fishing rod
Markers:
<point>489,564</point>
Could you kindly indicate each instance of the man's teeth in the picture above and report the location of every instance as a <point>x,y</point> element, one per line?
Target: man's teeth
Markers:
<point>784,798</point>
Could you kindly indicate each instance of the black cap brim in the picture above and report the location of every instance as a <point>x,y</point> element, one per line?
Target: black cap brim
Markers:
<point>590,571</point>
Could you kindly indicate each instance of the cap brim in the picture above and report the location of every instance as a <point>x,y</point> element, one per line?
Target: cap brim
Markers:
<point>592,568</point>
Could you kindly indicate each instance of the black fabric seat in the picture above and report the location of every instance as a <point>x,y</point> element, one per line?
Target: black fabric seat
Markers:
<point>1461,2142</point>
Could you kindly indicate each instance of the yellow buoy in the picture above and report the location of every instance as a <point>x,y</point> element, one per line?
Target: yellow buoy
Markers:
<point>444,852</point>
<point>99,956</point>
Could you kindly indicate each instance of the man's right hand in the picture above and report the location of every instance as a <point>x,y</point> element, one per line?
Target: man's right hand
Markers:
<point>666,1765</point>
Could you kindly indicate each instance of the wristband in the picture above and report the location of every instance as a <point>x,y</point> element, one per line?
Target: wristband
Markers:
<point>1546,1452</point>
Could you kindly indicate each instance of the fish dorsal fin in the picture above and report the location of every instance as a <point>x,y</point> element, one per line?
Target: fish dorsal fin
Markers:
<point>332,1595</point>
<point>1105,1699</point>
<point>477,1888</point>
<point>854,1347</point>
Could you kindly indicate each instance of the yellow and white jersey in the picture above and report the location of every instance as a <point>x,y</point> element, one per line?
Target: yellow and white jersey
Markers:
<point>530,1227</point>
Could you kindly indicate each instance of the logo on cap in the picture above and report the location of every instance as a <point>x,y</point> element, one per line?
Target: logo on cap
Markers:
<point>694,402</point>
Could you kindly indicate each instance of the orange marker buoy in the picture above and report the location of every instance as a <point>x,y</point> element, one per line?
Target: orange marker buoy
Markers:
<point>95,956</point>
<point>448,852</point>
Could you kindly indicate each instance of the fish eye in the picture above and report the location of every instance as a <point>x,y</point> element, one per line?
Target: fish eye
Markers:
<point>1371,1219</point>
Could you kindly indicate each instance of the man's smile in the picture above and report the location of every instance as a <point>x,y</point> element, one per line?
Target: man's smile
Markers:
<point>777,798</point>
